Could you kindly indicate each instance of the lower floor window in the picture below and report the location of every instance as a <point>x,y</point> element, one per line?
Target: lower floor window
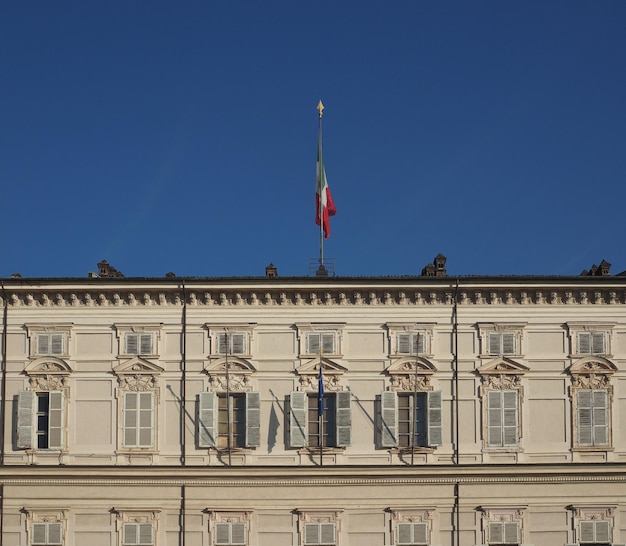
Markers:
<point>230,534</point>
<point>595,533</point>
<point>503,533</point>
<point>412,534</point>
<point>319,534</point>
<point>48,534</point>
<point>138,534</point>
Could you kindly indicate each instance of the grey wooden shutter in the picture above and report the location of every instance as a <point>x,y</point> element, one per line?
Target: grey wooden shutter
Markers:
<point>146,344</point>
<point>587,531</point>
<point>343,418</point>
<point>55,420</point>
<point>207,419</point>
<point>603,531</point>
<point>311,533</point>
<point>298,430</point>
<point>43,344</point>
<point>39,533</point>
<point>404,343</point>
<point>404,534</point>
<point>508,344</point>
<point>585,411</point>
<point>494,418</point>
<point>418,342</point>
<point>510,418</point>
<point>238,534</point>
<point>389,419</point>
<point>420,533</point>
<point>221,344</point>
<point>25,419</point>
<point>55,533</point>
<point>328,343</point>
<point>130,533</point>
<point>495,343</point>
<point>511,532</point>
<point>56,344</point>
<point>584,343</point>
<point>131,344</point>
<point>313,344</point>
<point>496,532</point>
<point>238,342</point>
<point>222,534</point>
<point>146,534</point>
<point>253,419</point>
<point>327,533</point>
<point>434,420</point>
<point>600,418</point>
<point>597,343</point>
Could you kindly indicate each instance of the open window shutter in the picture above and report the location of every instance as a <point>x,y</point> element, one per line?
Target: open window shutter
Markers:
<point>207,419</point>
<point>56,344</point>
<point>131,344</point>
<point>434,418</point>
<point>253,419</point>
<point>495,343</point>
<point>344,418</point>
<point>238,343</point>
<point>146,344</point>
<point>327,533</point>
<point>238,534</point>
<point>600,418</point>
<point>597,343</point>
<point>25,419</point>
<point>298,419</point>
<point>510,417</point>
<point>584,410</point>
<point>313,344</point>
<point>389,419</point>
<point>584,343</point>
<point>55,420</point>
<point>511,532</point>
<point>404,343</point>
<point>146,534</point>
<point>494,418</point>
<point>508,344</point>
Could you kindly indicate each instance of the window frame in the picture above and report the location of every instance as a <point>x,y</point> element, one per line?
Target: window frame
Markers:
<point>46,526</point>
<point>39,331</point>
<point>514,331</point>
<point>138,526</point>
<point>229,525</point>
<point>34,423</point>
<point>300,403</point>
<point>396,331</point>
<point>504,415</point>
<point>127,412</point>
<point>125,332</point>
<point>590,329</point>
<point>319,329</point>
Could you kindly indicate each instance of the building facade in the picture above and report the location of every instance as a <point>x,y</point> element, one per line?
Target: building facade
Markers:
<point>454,411</point>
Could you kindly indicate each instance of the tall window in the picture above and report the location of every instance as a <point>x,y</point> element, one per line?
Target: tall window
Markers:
<point>592,413</point>
<point>502,418</point>
<point>305,420</point>
<point>137,534</point>
<point>235,417</point>
<point>40,420</point>
<point>47,534</point>
<point>411,419</point>
<point>138,419</point>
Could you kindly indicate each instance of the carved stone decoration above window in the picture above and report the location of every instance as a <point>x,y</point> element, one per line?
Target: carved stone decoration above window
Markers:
<point>593,523</point>
<point>239,374</point>
<point>593,372</point>
<point>48,373</point>
<point>332,374</point>
<point>502,373</point>
<point>406,372</point>
<point>137,375</point>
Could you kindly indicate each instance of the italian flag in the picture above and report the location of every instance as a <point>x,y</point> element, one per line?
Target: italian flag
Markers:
<point>324,205</point>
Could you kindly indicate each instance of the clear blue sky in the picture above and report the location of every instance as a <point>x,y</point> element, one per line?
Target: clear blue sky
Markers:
<point>182,136</point>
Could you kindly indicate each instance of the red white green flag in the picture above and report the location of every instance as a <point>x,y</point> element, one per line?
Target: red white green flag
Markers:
<point>324,205</point>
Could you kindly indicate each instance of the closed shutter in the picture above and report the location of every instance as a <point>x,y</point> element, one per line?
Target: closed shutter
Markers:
<point>253,419</point>
<point>25,419</point>
<point>344,418</point>
<point>207,419</point>
<point>405,535</point>
<point>389,419</point>
<point>600,418</point>
<point>55,420</point>
<point>592,409</point>
<point>584,343</point>
<point>510,418</point>
<point>495,343</point>
<point>587,531</point>
<point>597,343</point>
<point>311,534</point>
<point>238,343</point>
<point>231,534</point>
<point>584,410</point>
<point>138,419</point>
<point>146,344</point>
<point>55,533</point>
<point>494,418</point>
<point>298,431</point>
<point>434,419</point>
<point>404,343</point>
<point>238,534</point>
<point>313,344</point>
<point>130,534</point>
<point>420,533</point>
<point>508,344</point>
<point>603,531</point>
<point>40,533</point>
<point>328,343</point>
<point>222,533</point>
<point>43,344</point>
<point>327,533</point>
<point>56,344</point>
<point>50,534</point>
<point>146,534</point>
<point>132,344</point>
<point>511,532</point>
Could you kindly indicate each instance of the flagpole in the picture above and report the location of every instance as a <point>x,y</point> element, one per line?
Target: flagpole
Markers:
<point>414,427</point>
<point>228,443</point>
<point>320,405</point>
<point>320,166</point>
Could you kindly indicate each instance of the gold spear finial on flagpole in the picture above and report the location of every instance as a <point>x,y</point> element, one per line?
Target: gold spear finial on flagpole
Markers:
<point>320,108</point>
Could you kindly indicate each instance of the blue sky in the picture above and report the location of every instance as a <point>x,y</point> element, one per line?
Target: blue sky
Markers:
<point>182,136</point>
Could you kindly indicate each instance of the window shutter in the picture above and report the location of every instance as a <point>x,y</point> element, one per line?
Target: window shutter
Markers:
<point>238,343</point>
<point>584,410</point>
<point>55,532</point>
<point>328,344</point>
<point>313,344</point>
<point>603,531</point>
<point>253,419</point>
<point>496,532</point>
<point>311,533</point>
<point>597,343</point>
<point>600,418</point>
<point>510,532</point>
<point>389,419</point>
<point>298,404</point>
<point>404,343</point>
<point>584,343</point>
<point>55,420</point>
<point>344,418</point>
<point>327,533</point>
<point>419,344</point>
<point>39,533</point>
<point>146,344</point>
<point>56,344</point>
<point>238,531</point>
<point>510,417</point>
<point>130,533</point>
<point>222,533</point>
<point>207,419</point>
<point>131,344</point>
<point>587,533</point>
<point>43,344</point>
<point>138,419</point>
<point>420,533</point>
<point>495,343</point>
<point>25,419</point>
<point>494,418</point>
<point>146,416</point>
<point>145,534</point>
<point>434,418</point>
<point>404,534</point>
<point>508,344</point>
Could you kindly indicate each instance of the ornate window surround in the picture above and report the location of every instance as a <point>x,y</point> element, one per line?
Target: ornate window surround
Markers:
<point>122,329</point>
<point>215,329</point>
<point>575,327</point>
<point>590,512</point>
<point>319,516</point>
<point>424,514</point>
<point>424,329</point>
<point>136,515</point>
<point>485,328</point>
<point>45,515</point>
<point>33,330</point>
<point>502,514</point>
<point>228,516</point>
<point>305,328</point>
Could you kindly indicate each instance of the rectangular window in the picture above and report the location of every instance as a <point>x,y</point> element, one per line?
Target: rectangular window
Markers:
<point>40,420</point>
<point>501,343</point>
<point>412,534</point>
<point>591,343</point>
<point>50,344</point>
<point>137,534</point>
<point>230,534</point>
<point>411,343</point>
<point>139,344</point>
<point>595,532</point>
<point>409,421</point>
<point>237,416</point>
<point>503,532</point>
<point>47,534</point>
<point>138,419</point>
<point>319,534</point>
<point>325,341</point>
<point>232,343</point>
<point>502,418</point>
<point>336,420</point>
<point>593,422</point>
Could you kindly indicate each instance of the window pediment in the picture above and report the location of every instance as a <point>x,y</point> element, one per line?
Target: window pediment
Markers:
<point>137,366</point>
<point>332,373</point>
<point>48,365</point>
<point>592,365</point>
<point>405,372</point>
<point>239,374</point>
<point>502,366</point>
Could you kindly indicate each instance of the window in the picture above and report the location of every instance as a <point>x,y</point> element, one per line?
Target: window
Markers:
<point>501,343</point>
<point>325,341</point>
<point>319,534</point>
<point>503,532</point>
<point>411,343</point>
<point>411,419</point>
<point>47,534</point>
<point>592,413</point>
<point>232,343</point>
<point>138,420</point>
<point>139,344</point>
<point>137,534</point>
<point>230,534</point>
<point>40,420</point>
<point>412,534</point>
<point>50,344</point>
<point>595,532</point>
<point>336,423</point>
<point>502,418</point>
<point>590,343</point>
<point>236,417</point>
